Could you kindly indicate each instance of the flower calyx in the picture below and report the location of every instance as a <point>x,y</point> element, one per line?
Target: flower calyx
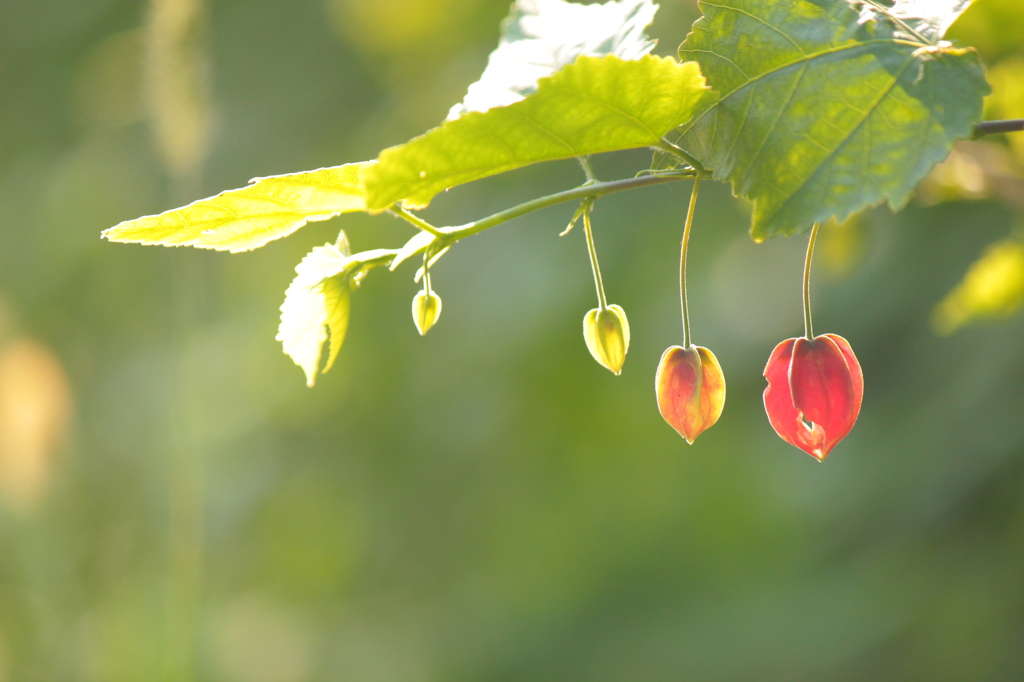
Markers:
<point>426,308</point>
<point>606,331</point>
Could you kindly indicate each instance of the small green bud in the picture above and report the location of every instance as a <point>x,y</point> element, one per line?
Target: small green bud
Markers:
<point>607,335</point>
<point>426,308</point>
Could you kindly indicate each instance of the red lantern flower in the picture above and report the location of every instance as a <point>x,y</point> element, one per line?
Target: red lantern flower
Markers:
<point>815,388</point>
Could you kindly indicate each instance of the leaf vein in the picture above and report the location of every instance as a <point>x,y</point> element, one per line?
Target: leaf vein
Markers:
<point>874,105</point>
<point>757,19</point>
<point>782,67</point>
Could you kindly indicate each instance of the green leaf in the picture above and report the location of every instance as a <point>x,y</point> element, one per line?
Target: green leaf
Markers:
<point>596,104</point>
<point>541,37</point>
<point>316,306</point>
<point>247,218</point>
<point>819,114</point>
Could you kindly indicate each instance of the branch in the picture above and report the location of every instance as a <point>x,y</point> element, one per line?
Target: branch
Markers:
<point>984,128</point>
<point>593,190</point>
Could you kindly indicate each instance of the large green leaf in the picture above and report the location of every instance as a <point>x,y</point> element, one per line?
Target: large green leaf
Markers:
<point>539,37</point>
<point>822,112</point>
<point>593,105</point>
<point>247,218</point>
<point>316,305</point>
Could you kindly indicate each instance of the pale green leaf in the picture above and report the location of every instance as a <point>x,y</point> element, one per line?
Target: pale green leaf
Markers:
<point>316,305</point>
<point>247,218</point>
<point>596,104</point>
<point>337,294</point>
<point>540,37</point>
<point>819,114</point>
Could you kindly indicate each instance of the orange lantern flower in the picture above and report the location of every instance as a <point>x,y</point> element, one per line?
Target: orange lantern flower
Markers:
<point>690,387</point>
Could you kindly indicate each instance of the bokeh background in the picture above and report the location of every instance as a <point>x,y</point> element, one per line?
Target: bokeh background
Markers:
<point>484,503</point>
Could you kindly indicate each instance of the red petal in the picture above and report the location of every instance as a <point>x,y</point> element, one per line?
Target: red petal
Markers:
<point>778,403</point>
<point>823,391</point>
<point>856,375</point>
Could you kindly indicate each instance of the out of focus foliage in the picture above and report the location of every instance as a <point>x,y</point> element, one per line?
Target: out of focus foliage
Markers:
<point>485,502</point>
<point>993,287</point>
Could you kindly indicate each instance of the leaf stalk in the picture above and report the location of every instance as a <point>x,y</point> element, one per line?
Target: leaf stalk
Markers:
<point>415,220</point>
<point>588,169</point>
<point>675,151</point>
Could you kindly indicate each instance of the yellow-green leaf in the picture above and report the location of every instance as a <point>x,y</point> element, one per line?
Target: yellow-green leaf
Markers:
<point>594,105</point>
<point>316,305</point>
<point>247,218</point>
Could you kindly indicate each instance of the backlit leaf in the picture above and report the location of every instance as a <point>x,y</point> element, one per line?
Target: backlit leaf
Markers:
<point>540,37</point>
<point>821,114</point>
<point>247,218</point>
<point>316,306</point>
<point>917,19</point>
<point>593,105</point>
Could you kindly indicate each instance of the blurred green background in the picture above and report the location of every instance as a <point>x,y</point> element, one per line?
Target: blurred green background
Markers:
<point>484,503</point>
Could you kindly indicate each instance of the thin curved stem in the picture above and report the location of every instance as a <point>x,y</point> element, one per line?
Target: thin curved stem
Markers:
<point>426,274</point>
<point>808,325</point>
<point>683,302</point>
<point>415,220</point>
<point>598,282</point>
<point>594,190</point>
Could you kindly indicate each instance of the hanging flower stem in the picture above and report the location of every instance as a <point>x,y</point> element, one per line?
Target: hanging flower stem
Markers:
<point>808,325</point>
<point>598,282</point>
<point>684,304</point>
<point>426,272</point>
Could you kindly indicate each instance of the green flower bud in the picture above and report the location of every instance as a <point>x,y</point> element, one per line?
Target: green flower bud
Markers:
<point>426,308</point>
<point>607,335</point>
